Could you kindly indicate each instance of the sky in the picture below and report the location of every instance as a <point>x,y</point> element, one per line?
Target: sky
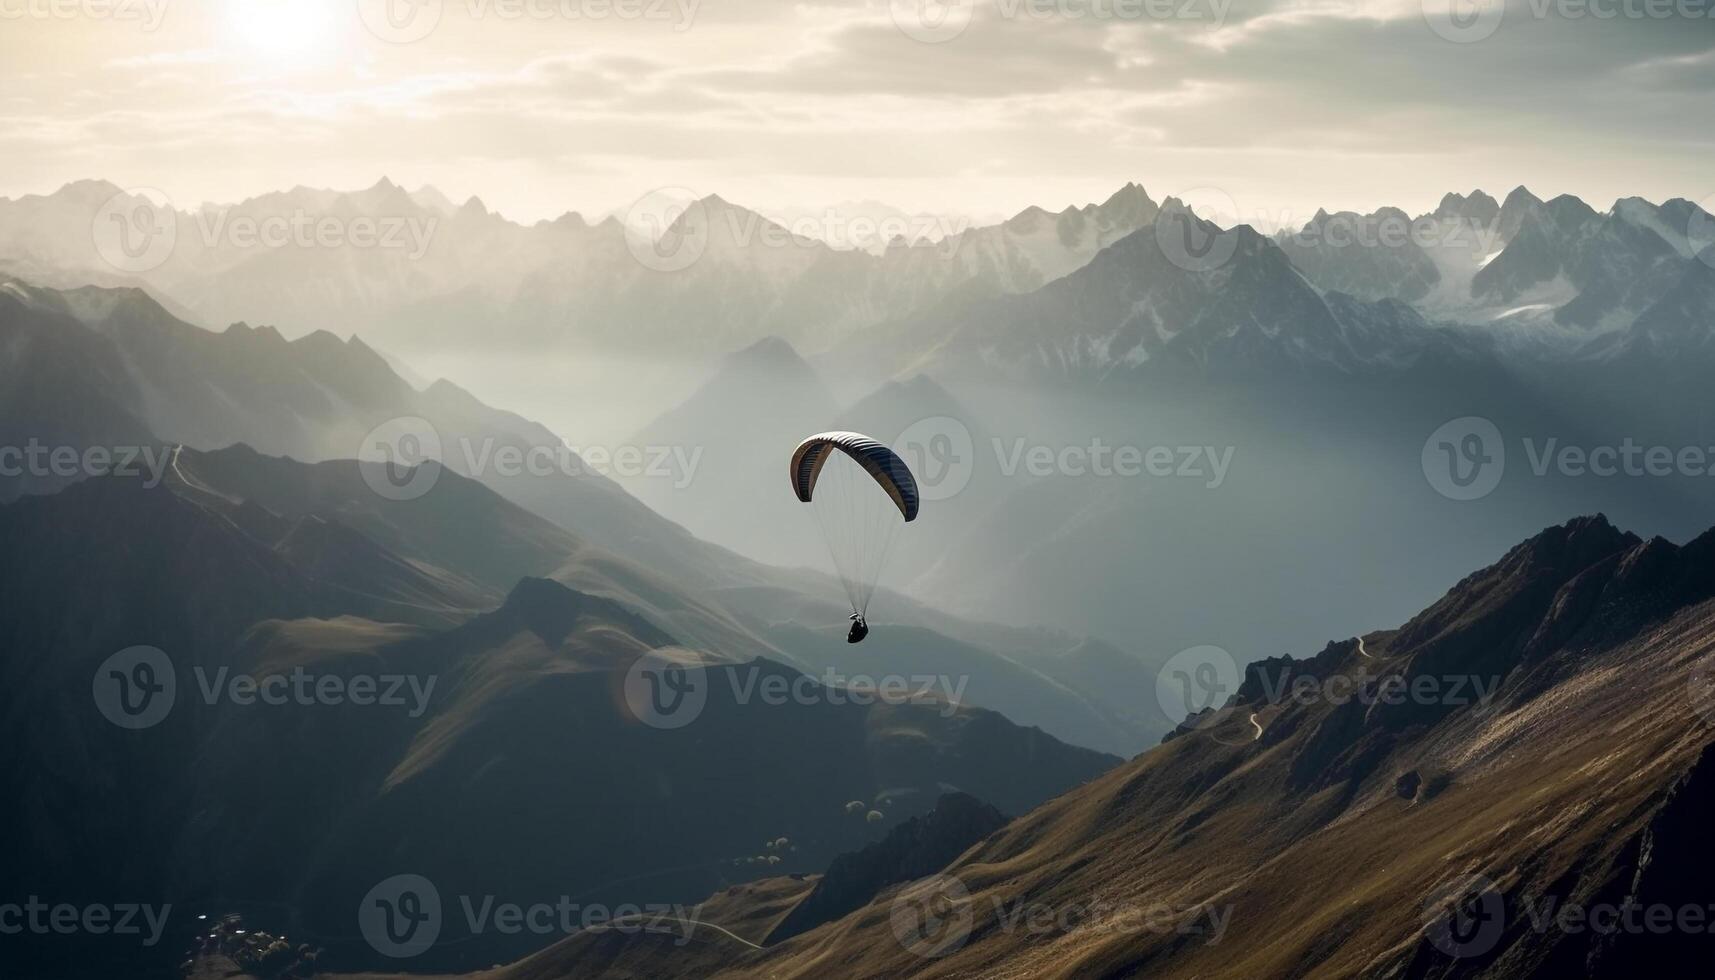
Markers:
<point>979,107</point>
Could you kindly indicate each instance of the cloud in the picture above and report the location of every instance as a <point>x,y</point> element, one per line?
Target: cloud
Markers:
<point>833,94</point>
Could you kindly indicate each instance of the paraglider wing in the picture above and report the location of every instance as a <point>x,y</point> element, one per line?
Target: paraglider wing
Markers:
<point>881,463</point>
<point>861,493</point>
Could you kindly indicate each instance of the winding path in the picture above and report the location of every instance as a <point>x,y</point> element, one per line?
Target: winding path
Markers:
<point>693,925</point>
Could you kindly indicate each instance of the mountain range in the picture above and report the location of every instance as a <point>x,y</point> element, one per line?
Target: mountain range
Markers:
<point>109,369</point>
<point>290,503</point>
<point>1323,818</point>
<point>239,568</point>
<point>1547,278</point>
<point>722,276</point>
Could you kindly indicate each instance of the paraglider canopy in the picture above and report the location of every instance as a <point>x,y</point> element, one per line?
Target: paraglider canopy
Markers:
<point>861,493</point>
<point>879,461</point>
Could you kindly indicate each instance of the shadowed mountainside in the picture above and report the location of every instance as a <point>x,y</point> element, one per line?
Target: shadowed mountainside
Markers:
<point>491,715</point>
<point>1536,740</point>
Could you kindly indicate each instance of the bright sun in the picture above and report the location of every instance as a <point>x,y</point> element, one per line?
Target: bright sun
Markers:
<point>284,30</point>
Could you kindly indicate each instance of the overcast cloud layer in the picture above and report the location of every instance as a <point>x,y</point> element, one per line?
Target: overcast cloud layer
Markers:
<point>544,106</point>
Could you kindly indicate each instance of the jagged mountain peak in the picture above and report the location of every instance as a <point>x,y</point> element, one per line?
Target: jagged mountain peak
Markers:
<point>385,197</point>
<point>552,610</point>
<point>570,219</point>
<point>1476,206</point>
<point>1130,195</point>
<point>887,411</point>
<point>771,351</point>
<point>89,189</point>
<point>443,388</point>
<point>1520,196</point>
<point>430,197</point>
<point>264,333</point>
<point>1503,604</point>
<point>1570,211</point>
<point>916,386</point>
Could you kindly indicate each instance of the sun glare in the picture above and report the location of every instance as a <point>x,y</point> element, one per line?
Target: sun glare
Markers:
<point>285,30</point>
